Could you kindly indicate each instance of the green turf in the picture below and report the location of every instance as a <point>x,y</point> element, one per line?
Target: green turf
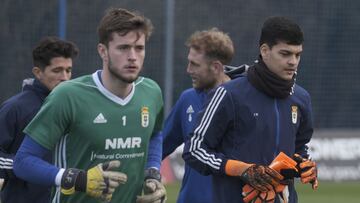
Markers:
<point>328,192</point>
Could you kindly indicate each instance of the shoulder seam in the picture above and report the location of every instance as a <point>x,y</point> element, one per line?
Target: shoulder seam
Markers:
<point>142,78</point>
<point>83,84</point>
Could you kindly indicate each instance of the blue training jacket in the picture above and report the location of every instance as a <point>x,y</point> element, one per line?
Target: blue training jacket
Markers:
<point>15,114</point>
<point>195,188</point>
<point>242,123</point>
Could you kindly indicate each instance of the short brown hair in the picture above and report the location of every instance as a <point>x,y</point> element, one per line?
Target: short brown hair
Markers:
<point>122,21</point>
<point>215,43</point>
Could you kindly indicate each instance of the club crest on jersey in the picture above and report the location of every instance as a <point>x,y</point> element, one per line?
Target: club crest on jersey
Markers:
<point>294,112</point>
<point>190,111</point>
<point>145,116</point>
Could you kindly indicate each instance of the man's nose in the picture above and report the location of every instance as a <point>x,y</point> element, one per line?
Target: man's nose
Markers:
<point>65,75</point>
<point>132,55</point>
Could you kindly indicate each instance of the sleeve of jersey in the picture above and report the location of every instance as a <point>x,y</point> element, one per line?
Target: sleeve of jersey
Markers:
<point>155,143</point>
<point>29,166</point>
<point>7,129</point>
<point>53,119</point>
<point>200,150</point>
<point>306,130</point>
<point>172,133</point>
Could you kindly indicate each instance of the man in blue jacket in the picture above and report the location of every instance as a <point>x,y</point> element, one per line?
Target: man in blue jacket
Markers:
<point>209,51</point>
<point>248,121</point>
<point>53,61</point>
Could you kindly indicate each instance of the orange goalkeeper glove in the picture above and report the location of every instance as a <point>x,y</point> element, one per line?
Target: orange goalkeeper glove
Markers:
<point>259,177</point>
<point>281,164</point>
<point>308,171</point>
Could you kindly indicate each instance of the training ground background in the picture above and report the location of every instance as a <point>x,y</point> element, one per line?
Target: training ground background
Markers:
<point>329,67</point>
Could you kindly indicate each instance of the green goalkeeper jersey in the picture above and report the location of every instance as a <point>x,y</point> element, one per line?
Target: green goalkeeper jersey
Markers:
<point>85,124</point>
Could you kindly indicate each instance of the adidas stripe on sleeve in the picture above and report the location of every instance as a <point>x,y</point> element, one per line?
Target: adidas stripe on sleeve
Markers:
<point>199,151</point>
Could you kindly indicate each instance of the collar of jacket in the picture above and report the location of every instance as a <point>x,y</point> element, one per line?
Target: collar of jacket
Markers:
<point>38,87</point>
<point>269,83</point>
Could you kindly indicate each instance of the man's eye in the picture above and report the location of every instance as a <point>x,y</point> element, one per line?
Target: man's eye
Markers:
<point>123,47</point>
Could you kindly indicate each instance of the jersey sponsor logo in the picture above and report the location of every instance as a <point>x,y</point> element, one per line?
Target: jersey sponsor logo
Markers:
<point>123,143</point>
<point>294,113</point>
<point>145,116</point>
<point>100,119</point>
<point>190,111</point>
<point>112,156</point>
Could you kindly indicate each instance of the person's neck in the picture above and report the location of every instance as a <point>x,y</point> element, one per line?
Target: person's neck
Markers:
<point>221,80</point>
<point>116,86</point>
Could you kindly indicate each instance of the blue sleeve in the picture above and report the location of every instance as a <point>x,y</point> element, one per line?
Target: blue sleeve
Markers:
<point>306,129</point>
<point>155,151</point>
<point>172,133</point>
<point>7,129</point>
<point>29,166</point>
<point>200,150</point>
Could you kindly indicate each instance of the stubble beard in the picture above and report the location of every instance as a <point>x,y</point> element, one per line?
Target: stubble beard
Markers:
<point>113,72</point>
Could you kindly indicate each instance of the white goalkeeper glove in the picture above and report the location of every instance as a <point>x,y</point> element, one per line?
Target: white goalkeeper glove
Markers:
<point>154,190</point>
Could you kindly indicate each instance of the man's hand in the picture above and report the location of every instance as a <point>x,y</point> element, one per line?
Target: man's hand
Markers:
<point>308,171</point>
<point>262,178</point>
<point>252,195</point>
<point>99,182</point>
<point>154,190</point>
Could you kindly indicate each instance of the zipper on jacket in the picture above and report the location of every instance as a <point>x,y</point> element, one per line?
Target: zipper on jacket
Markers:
<point>277,130</point>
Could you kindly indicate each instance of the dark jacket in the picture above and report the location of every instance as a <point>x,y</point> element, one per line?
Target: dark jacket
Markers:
<point>15,114</point>
<point>242,123</point>
<point>195,188</point>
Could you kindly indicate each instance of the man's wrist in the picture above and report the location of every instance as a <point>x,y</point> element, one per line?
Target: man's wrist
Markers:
<point>152,173</point>
<point>73,180</point>
<point>235,167</point>
<point>58,176</point>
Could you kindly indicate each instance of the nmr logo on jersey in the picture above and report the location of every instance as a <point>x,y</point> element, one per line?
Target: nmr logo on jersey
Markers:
<point>120,143</point>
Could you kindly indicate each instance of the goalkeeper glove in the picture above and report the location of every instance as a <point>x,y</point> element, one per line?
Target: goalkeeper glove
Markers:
<point>281,164</point>
<point>154,190</point>
<point>308,171</point>
<point>259,177</point>
<point>99,182</point>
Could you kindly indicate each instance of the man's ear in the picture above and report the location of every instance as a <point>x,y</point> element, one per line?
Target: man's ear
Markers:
<point>218,66</point>
<point>37,72</point>
<point>102,50</point>
<point>264,51</point>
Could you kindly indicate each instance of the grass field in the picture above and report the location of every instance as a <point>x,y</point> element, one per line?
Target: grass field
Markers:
<point>328,192</point>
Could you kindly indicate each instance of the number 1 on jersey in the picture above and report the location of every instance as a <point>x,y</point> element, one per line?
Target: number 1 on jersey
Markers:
<point>124,120</point>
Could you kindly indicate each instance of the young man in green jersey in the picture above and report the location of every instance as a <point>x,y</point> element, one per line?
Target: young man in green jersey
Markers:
<point>97,121</point>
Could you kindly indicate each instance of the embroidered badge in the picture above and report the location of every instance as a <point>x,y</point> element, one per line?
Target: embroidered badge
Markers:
<point>145,116</point>
<point>294,113</point>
